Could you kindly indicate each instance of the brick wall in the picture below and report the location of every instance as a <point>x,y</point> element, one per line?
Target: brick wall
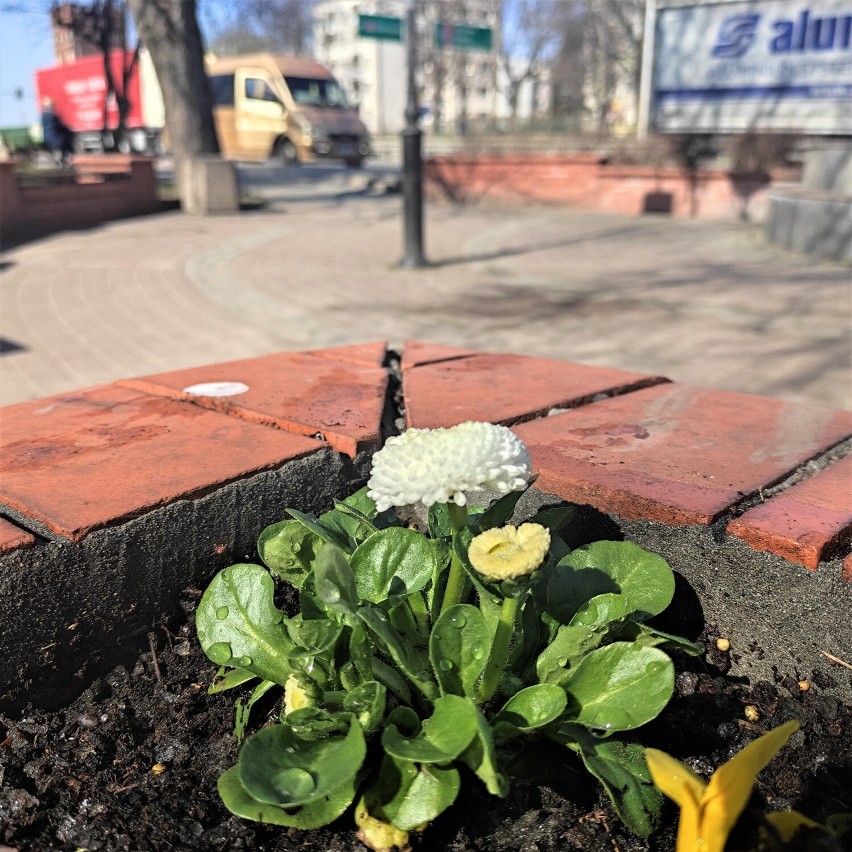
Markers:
<point>586,180</point>
<point>115,498</point>
<point>102,188</point>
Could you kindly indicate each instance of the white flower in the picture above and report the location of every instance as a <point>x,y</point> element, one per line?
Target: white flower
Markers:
<point>438,465</point>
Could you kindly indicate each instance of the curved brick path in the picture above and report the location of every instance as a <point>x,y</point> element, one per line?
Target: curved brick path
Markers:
<point>701,303</point>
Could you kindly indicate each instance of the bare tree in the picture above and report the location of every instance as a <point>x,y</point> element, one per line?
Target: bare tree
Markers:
<point>169,29</point>
<point>530,43</point>
<point>102,23</point>
<point>277,26</point>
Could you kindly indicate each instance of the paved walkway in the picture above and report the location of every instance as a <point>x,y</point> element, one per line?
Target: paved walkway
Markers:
<point>705,303</point>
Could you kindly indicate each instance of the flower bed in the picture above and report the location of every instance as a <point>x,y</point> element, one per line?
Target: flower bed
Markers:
<point>680,470</point>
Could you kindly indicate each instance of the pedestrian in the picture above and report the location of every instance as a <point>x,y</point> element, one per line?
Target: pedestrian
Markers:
<point>57,137</point>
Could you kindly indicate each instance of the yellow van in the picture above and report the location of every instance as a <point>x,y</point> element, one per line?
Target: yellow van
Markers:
<point>285,107</point>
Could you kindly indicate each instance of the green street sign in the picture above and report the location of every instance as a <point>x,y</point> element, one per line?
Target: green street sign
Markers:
<point>463,37</point>
<point>381,27</point>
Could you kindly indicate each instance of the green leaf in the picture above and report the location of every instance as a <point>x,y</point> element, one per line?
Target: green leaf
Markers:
<point>458,649</point>
<point>602,610</point>
<point>500,511</point>
<point>619,687</point>
<point>314,723</point>
<point>334,581</point>
<point>644,578</point>
<point>569,646</point>
<point>288,549</point>
<point>568,588</point>
<point>439,521</point>
<point>481,757</point>
<point>316,635</point>
<point>555,518</point>
<point>402,653</point>
<point>329,534</point>
<point>367,702</point>
<point>313,815</point>
<point>622,770</point>
<point>239,625</point>
<point>645,634</point>
<point>224,681</point>
<point>442,737</point>
<point>279,767</point>
<point>531,708</point>
<point>412,796</point>
<point>242,709</point>
<point>392,563</point>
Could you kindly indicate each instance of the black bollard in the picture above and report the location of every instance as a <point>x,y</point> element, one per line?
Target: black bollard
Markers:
<point>412,160</point>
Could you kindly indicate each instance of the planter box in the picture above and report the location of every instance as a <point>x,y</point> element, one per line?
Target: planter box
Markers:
<point>118,497</point>
<point>587,180</point>
<point>101,188</point>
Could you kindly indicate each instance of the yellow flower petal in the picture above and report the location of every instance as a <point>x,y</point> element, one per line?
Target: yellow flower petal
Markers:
<point>509,552</point>
<point>787,823</point>
<point>729,789</point>
<point>295,695</point>
<point>683,787</point>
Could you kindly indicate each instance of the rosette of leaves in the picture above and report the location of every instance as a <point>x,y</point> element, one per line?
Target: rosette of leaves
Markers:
<point>395,704</point>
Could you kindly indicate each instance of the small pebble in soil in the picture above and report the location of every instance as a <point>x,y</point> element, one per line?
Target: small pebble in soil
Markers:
<point>804,686</point>
<point>159,768</point>
<point>751,713</point>
<point>723,644</point>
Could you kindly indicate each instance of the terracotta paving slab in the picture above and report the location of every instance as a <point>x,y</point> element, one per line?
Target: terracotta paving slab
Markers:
<point>415,353</point>
<point>805,521</point>
<point>505,388</point>
<point>13,538</point>
<point>85,460</point>
<point>677,454</point>
<point>295,391</point>
<point>365,354</point>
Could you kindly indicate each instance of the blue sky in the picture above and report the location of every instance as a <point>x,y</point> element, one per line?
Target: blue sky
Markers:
<point>26,43</point>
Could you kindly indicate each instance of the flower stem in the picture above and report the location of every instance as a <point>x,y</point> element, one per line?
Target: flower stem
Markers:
<point>456,576</point>
<point>499,649</point>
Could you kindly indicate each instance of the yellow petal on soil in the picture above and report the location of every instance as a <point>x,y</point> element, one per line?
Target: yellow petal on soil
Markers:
<point>685,789</point>
<point>787,823</point>
<point>729,789</point>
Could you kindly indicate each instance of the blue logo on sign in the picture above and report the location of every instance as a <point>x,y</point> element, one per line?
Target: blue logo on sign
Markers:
<point>736,36</point>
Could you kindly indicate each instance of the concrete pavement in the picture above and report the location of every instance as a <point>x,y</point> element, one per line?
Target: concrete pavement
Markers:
<point>704,303</point>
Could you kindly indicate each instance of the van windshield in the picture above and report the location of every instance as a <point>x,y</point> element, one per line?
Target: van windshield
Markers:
<point>312,92</point>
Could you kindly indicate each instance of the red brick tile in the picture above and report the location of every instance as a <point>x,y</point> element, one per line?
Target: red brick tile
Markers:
<point>675,453</point>
<point>13,538</point>
<point>804,522</point>
<point>294,391</point>
<point>504,388</point>
<point>82,461</point>
<point>365,354</point>
<point>415,353</point>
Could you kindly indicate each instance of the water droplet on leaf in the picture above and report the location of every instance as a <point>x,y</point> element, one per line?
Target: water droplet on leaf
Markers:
<point>222,612</point>
<point>294,784</point>
<point>445,665</point>
<point>220,652</point>
<point>458,620</point>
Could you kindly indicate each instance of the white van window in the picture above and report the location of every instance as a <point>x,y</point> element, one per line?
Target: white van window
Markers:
<point>311,92</point>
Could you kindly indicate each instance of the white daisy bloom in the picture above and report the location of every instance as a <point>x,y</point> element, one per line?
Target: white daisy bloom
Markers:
<point>438,465</point>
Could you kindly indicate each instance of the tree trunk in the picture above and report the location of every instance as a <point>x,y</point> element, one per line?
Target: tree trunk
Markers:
<point>169,29</point>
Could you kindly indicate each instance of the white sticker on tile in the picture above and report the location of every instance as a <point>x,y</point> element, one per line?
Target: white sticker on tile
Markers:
<point>217,389</point>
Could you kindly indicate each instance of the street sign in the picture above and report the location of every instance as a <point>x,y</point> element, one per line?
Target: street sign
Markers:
<point>463,37</point>
<point>380,26</point>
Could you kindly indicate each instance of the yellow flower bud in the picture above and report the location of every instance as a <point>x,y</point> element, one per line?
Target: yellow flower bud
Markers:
<point>295,695</point>
<point>509,552</point>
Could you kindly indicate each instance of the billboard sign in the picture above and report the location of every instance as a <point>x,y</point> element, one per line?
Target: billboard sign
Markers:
<point>778,65</point>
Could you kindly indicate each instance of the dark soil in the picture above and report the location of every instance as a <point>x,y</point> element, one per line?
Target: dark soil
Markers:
<point>132,765</point>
